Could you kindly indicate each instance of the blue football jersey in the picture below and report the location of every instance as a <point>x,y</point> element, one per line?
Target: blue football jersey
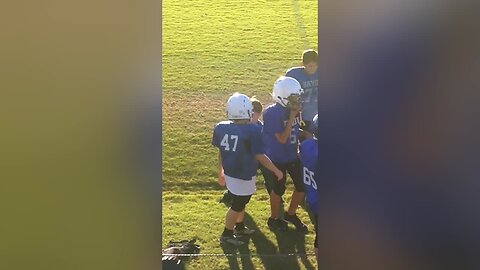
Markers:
<point>275,118</point>
<point>238,144</point>
<point>309,159</point>
<point>260,124</point>
<point>309,84</point>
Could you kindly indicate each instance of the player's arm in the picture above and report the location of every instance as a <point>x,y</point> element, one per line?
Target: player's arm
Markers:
<point>221,175</point>
<point>216,143</point>
<point>295,107</point>
<point>267,163</point>
<point>283,136</point>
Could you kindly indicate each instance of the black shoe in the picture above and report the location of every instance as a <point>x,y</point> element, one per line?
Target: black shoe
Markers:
<point>277,224</point>
<point>297,222</point>
<point>232,240</point>
<point>243,231</point>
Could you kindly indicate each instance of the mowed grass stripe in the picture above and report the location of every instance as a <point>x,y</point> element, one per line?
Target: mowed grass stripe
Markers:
<point>210,44</point>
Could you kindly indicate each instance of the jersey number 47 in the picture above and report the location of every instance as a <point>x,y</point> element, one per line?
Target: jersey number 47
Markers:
<point>225,142</point>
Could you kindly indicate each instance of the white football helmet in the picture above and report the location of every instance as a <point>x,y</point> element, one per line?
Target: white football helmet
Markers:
<point>285,87</point>
<point>239,106</point>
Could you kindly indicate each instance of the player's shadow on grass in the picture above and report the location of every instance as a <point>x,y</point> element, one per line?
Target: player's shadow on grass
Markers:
<point>263,246</point>
<point>244,253</point>
<point>300,239</point>
<point>289,242</point>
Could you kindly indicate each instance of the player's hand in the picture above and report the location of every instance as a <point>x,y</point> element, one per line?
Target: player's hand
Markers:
<point>279,174</point>
<point>295,108</point>
<point>221,180</point>
<point>303,134</point>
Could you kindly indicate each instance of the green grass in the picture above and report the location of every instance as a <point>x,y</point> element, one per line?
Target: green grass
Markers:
<point>210,50</point>
<point>199,215</point>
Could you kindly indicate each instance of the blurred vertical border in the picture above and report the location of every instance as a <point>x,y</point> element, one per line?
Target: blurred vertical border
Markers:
<point>81,137</point>
<point>399,135</point>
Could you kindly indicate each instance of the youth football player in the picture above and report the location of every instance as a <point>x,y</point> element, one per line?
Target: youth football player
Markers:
<point>280,131</point>
<point>240,149</point>
<point>307,76</point>
<point>256,113</point>
<point>309,159</point>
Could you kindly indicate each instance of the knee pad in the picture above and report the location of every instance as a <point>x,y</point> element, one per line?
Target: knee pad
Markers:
<point>280,188</point>
<point>299,186</point>
<point>239,202</point>
<point>295,172</point>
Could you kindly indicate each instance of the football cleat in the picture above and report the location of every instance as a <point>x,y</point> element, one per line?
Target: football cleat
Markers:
<point>297,222</point>
<point>243,231</point>
<point>232,240</point>
<point>277,224</point>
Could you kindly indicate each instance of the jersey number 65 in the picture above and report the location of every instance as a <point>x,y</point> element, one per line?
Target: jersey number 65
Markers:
<point>308,178</point>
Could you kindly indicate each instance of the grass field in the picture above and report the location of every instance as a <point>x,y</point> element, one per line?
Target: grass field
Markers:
<point>210,50</point>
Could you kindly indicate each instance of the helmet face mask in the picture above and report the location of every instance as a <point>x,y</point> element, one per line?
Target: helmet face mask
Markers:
<point>293,101</point>
<point>239,107</point>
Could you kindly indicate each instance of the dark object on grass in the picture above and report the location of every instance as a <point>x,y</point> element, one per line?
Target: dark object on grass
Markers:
<point>172,262</point>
